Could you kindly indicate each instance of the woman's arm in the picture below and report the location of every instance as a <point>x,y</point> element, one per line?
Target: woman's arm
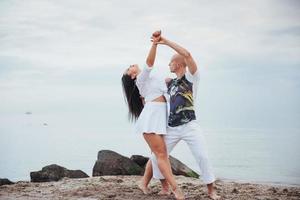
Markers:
<point>152,53</point>
<point>151,56</point>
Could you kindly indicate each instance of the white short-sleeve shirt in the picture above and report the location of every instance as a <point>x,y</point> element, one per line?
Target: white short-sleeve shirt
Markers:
<point>194,78</point>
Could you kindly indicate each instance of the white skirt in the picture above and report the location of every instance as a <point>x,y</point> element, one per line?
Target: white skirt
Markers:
<point>153,119</point>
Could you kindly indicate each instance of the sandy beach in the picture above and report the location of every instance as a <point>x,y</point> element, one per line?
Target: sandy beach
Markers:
<point>125,187</point>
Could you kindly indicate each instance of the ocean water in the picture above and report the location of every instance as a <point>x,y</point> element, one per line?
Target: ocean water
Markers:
<point>32,141</point>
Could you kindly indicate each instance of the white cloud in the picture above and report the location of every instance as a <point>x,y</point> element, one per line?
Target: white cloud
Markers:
<point>79,34</point>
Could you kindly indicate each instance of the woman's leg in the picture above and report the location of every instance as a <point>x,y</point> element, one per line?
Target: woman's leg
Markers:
<point>165,190</point>
<point>152,169</point>
<point>146,178</point>
<point>158,147</point>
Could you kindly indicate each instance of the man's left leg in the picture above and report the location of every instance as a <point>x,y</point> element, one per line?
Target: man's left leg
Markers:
<point>194,137</point>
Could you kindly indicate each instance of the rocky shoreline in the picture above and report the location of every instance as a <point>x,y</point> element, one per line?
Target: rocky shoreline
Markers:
<point>116,177</point>
<point>107,163</point>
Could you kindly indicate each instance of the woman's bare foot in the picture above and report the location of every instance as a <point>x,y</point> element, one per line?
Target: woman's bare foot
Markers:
<point>178,193</point>
<point>144,189</point>
<point>165,188</point>
<point>164,192</point>
<point>214,196</point>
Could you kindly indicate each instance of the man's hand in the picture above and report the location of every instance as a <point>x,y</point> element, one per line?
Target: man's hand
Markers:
<point>156,37</point>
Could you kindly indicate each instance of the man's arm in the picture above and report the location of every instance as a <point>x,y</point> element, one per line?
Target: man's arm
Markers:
<point>192,66</point>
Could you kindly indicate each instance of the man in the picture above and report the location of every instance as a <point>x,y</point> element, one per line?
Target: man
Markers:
<point>182,125</point>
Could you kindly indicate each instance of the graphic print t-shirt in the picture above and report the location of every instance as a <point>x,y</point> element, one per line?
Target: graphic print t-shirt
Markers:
<point>182,93</point>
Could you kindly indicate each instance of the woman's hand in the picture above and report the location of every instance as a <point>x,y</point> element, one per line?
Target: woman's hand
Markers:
<point>156,33</point>
<point>156,38</point>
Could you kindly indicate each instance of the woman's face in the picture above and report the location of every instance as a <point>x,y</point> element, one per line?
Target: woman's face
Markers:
<point>132,71</point>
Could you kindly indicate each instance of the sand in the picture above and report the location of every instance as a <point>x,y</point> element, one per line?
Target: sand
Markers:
<point>125,187</point>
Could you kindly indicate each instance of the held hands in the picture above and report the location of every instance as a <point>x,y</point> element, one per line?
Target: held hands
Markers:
<point>156,38</point>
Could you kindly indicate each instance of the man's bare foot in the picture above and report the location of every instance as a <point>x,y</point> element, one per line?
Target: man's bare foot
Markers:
<point>144,189</point>
<point>213,196</point>
<point>178,193</point>
<point>211,192</point>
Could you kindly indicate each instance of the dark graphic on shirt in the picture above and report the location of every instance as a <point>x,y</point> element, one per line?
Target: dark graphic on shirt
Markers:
<point>181,102</point>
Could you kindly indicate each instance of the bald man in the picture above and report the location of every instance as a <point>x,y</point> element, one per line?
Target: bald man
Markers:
<point>182,119</point>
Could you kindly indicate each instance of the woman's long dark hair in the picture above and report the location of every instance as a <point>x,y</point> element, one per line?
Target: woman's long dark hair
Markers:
<point>133,99</point>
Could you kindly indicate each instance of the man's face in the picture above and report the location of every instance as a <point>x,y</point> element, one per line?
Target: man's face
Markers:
<point>173,65</point>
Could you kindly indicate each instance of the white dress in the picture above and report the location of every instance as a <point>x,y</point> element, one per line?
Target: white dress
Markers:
<point>153,118</point>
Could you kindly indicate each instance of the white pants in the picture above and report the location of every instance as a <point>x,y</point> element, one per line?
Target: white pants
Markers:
<point>194,138</point>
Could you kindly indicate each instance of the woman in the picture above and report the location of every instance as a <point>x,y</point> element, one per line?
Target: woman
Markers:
<point>151,118</point>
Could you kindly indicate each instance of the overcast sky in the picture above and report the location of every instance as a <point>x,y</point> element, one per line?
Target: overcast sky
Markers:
<point>55,54</point>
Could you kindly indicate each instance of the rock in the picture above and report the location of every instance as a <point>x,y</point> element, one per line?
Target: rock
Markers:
<point>112,163</point>
<point>55,173</point>
<point>140,160</point>
<point>235,191</point>
<point>272,189</point>
<point>111,196</point>
<point>5,181</point>
<point>178,168</point>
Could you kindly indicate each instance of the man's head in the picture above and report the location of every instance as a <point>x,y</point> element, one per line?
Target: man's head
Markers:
<point>177,63</point>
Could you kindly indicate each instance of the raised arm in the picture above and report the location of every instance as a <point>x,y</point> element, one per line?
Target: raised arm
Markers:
<point>152,53</point>
<point>191,64</point>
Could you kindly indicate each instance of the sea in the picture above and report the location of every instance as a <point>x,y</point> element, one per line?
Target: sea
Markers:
<point>30,140</point>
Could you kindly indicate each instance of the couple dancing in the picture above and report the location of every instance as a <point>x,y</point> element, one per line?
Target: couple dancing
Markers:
<point>164,114</point>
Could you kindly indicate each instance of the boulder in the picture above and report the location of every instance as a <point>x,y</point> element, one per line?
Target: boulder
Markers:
<point>55,173</point>
<point>5,181</point>
<point>112,163</point>
<point>178,168</point>
<point>140,160</point>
